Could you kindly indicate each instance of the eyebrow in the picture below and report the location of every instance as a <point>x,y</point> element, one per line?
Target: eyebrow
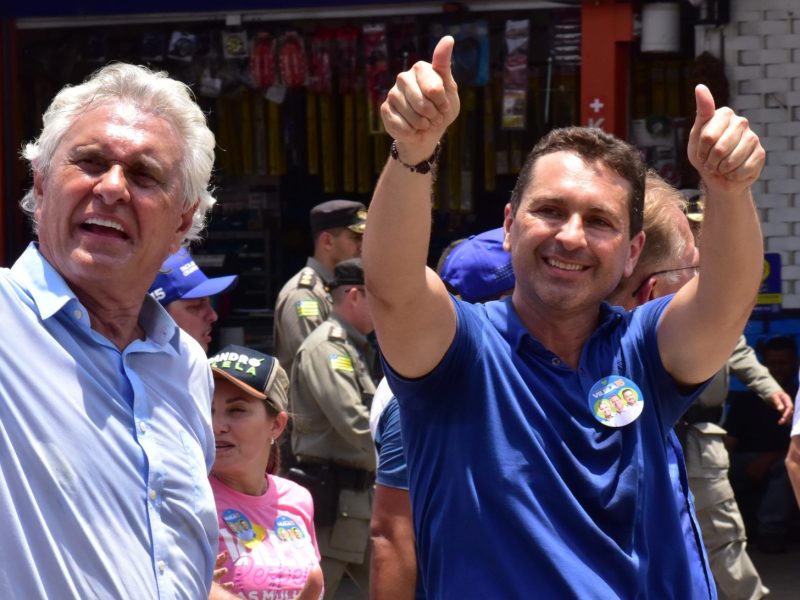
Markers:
<point>142,161</point>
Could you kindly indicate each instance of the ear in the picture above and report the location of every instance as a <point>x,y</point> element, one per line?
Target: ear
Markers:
<point>184,224</point>
<point>325,240</point>
<point>508,219</point>
<point>634,252</point>
<point>38,192</point>
<point>279,424</point>
<point>646,293</point>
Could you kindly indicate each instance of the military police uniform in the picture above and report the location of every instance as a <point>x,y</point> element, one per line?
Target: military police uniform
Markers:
<point>330,397</point>
<point>707,465</point>
<point>304,303</point>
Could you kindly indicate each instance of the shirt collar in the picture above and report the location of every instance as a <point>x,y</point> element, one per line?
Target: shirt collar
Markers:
<point>354,335</point>
<point>506,320</point>
<point>51,294</point>
<point>321,269</point>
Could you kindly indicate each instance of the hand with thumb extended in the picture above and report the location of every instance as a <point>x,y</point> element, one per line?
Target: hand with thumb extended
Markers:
<point>422,104</point>
<point>725,151</point>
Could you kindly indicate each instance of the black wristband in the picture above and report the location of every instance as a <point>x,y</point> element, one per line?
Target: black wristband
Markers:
<point>421,167</point>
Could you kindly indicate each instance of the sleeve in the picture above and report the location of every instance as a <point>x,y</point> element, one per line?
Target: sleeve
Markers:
<point>333,383</point>
<point>744,364</point>
<point>301,313</point>
<point>796,416</point>
<point>391,459</point>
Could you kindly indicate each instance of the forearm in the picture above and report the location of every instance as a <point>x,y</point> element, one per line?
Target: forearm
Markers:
<point>393,570</point>
<point>220,593</point>
<point>744,364</point>
<point>793,466</point>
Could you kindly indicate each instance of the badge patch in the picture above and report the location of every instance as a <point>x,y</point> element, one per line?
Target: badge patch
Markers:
<point>307,308</point>
<point>342,363</point>
<point>287,529</point>
<point>616,401</point>
<point>249,533</point>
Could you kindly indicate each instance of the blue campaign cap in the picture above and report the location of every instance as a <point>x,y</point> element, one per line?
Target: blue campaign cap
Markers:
<point>181,279</point>
<point>479,268</point>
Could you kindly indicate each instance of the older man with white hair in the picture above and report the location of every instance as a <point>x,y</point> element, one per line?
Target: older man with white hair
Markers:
<point>105,434</point>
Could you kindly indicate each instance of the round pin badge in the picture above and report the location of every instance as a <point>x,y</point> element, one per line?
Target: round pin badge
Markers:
<point>287,529</point>
<point>250,534</point>
<point>616,401</point>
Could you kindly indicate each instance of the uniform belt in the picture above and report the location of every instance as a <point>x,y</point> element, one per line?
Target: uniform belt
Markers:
<point>346,477</point>
<point>702,414</point>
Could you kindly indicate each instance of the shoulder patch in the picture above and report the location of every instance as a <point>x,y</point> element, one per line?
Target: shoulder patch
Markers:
<point>307,308</point>
<point>341,362</point>
<point>337,334</point>
<point>308,279</point>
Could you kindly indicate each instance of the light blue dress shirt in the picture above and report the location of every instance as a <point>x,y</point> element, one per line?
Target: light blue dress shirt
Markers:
<point>103,454</point>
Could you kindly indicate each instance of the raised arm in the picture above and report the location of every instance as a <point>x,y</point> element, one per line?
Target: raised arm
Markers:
<point>413,315</point>
<point>702,324</point>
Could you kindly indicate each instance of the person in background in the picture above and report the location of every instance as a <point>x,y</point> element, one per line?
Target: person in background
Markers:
<point>670,259</point>
<point>496,399</point>
<point>303,303</point>
<point>792,460</point>
<point>477,269</point>
<point>330,396</point>
<point>184,290</point>
<point>758,441</point>
<point>266,522</point>
<point>105,425</point>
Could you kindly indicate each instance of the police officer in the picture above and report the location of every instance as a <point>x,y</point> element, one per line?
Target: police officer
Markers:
<point>330,397</point>
<point>303,303</point>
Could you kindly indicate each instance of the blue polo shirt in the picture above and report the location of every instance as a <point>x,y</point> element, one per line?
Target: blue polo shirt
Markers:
<point>104,453</point>
<point>518,490</point>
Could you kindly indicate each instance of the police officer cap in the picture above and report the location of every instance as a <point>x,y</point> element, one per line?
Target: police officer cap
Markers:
<point>339,213</point>
<point>695,205</point>
<point>347,272</point>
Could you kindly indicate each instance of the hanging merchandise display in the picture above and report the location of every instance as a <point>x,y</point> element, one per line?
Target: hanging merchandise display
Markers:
<point>515,75</point>
<point>262,61</point>
<point>234,44</point>
<point>320,82</point>
<point>376,68</point>
<point>292,59</point>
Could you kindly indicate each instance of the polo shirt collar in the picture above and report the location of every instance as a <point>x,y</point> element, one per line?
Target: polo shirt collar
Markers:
<point>507,322</point>
<point>51,294</point>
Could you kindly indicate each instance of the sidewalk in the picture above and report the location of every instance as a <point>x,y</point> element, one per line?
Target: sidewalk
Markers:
<point>779,572</point>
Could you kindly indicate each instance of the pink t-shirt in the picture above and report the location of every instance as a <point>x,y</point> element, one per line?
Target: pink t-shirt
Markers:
<point>270,539</point>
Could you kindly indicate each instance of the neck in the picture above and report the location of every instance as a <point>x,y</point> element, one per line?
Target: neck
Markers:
<point>564,334</point>
<point>255,486</point>
<point>114,318</point>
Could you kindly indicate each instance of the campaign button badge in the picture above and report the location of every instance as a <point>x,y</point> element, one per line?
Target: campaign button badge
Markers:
<point>616,401</point>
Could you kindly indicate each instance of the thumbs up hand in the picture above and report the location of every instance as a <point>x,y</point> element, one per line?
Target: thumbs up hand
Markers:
<point>722,147</point>
<point>422,104</point>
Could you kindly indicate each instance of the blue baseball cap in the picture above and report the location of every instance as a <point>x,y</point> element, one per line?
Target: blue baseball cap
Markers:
<point>479,268</point>
<point>181,279</point>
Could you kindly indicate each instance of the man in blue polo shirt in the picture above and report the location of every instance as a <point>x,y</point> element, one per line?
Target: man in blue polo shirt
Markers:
<point>517,487</point>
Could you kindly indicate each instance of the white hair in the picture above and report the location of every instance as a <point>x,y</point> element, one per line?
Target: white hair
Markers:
<point>153,92</point>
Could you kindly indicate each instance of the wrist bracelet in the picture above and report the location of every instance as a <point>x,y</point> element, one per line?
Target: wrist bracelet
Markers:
<point>421,167</point>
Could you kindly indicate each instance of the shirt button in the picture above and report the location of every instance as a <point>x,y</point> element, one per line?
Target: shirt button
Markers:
<point>162,566</point>
<point>142,426</point>
<point>78,314</point>
<point>153,495</point>
<point>556,361</point>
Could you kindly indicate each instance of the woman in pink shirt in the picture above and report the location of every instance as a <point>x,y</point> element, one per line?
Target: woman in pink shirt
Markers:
<point>266,522</point>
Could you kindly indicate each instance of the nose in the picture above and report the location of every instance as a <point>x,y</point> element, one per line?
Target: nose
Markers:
<point>210,314</point>
<point>572,234</point>
<point>218,422</point>
<point>112,185</point>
